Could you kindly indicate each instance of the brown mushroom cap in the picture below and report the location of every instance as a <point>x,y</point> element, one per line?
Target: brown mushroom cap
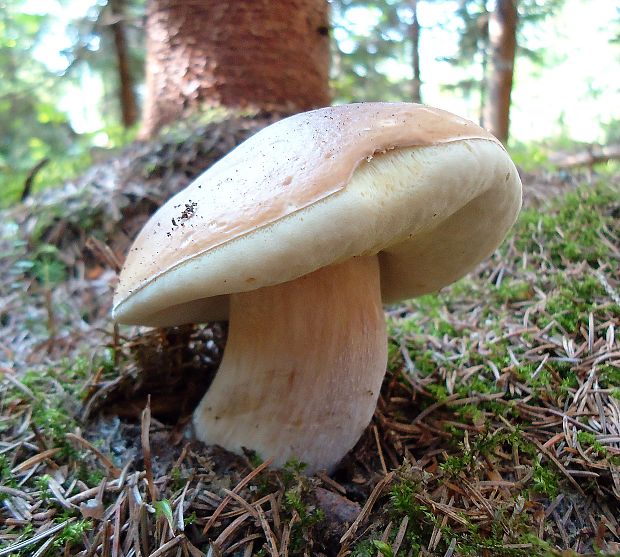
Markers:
<point>307,192</point>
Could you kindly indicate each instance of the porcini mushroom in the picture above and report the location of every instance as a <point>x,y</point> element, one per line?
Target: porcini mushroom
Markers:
<point>297,237</point>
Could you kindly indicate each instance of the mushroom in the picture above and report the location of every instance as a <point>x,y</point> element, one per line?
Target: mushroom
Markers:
<point>298,237</point>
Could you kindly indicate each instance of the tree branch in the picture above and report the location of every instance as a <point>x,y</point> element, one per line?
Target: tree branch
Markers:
<point>592,155</point>
<point>31,176</point>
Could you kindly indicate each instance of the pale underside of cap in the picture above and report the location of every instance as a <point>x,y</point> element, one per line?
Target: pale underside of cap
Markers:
<point>431,194</point>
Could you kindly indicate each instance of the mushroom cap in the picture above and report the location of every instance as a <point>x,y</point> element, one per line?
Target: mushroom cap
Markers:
<point>430,193</point>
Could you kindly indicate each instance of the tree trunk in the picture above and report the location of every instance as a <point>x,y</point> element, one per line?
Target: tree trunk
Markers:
<point>127,97</point>
<point>414,33</point>
<point>502,44</point>
<point>264,54</point>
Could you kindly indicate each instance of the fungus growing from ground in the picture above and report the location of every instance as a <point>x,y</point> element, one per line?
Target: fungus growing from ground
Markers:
<point>298,237</point>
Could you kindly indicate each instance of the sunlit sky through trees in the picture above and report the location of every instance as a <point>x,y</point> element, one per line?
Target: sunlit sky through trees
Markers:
<point>573,94</point>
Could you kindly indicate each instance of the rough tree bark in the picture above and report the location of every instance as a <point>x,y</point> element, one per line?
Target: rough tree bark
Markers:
<point>414,34</point>
<point>267,54</point>
<point>502,45</point>
<point>127,97</point>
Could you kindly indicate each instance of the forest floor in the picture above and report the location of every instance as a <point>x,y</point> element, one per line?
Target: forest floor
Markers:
<point>497,431</point>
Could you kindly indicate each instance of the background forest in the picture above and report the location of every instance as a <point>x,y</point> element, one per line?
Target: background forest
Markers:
<point>497,428</point>
<point>73,73</point>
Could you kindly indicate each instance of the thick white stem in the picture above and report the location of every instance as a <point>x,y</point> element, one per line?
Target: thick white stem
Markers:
<point>302,368</point>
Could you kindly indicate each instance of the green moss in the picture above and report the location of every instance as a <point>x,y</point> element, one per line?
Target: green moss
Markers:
<point>571,303</point>
<point>563,369</point>
<point>571,233</point>
<point>384,549</point>
<point>535,376</point>
<point>6,477</point>
<point>177,481</point>
<point>545,480</point>
<point>609,376</point>
<point>90,476</point>
<point>394,356</point>
<point>512,290</point>
<point>471,539</point>
<point>402,498</point>
<point>296,485</point>
<point>73,534</point>
<point>190,518</point>
<point>55,405</point>
<point>569,384</point>
<point>406,326</point>
<point>438,390</point>
<point>425,362</point>
<point>477,385</point>
<point>55,423</point>
<point>457,463</point>
<point>292,471</point>
<point>470,413</point>
<point>41,484</point>
<point>588,439</point>
<point>364,548</point>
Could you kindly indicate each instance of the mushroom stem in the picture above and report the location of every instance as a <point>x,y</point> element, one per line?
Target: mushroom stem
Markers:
<point>302,368</point>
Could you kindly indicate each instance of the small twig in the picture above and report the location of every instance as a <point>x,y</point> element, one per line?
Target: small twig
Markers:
<point>286,533</point>
<point>230,529</point>
<point>332,483</point>
<point>271,539</point>
<point>375,430</point>
<point>39,437</point>
<point>450,551</point>
<point>241,543</point>
<point>400,535</point>
<point>168,545</point>
<point>592,155</point>
<point>107,463</point>
<point>104,253</point>
<point>116,541</point>
<point>249,508</point>
<point>51,318</point>
<point>43,549</point>
<point>32,174</point>
<point>116,345</point>
<point>146,449</point>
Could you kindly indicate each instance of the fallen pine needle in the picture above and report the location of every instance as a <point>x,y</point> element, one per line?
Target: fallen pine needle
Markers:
<point>20,545</point>
<point>34,460</point>
<point>238,488</point>
<point>376,492</point>
<point>146,449</point>
<point>168,545</point>
<point>107,463</point>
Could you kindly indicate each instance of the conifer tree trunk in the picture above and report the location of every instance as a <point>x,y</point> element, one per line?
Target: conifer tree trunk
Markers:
<point>127,97</point>
<point>414,33</point>
<point>502,45</point>
<point>266,54</point>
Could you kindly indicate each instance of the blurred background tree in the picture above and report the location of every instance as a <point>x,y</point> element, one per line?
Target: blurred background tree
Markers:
<point>73,82</point>
<point>57,72</point>
<point>489,41</point>
<point>370,38</point>
<point>265,54</point>
<point>33,127</point>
